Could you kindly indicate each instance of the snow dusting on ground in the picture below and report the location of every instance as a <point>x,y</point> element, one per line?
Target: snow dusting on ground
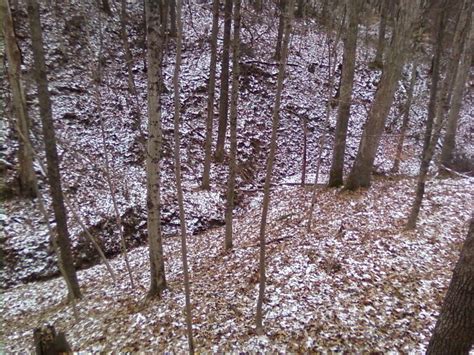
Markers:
<point>356,282</point>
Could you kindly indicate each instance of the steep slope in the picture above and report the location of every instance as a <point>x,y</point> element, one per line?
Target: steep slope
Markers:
<point>357,282</point>
<point>72,41</point>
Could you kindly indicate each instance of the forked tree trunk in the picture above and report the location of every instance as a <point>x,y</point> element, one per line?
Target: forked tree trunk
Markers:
<point>405,120</point>
<point>27,179</point>
<point>454,330</point>
<point>52,161</point>
<point>179,189</point>
<point>211,94</point>
<point>155,48</point>
<point>270,160</point>
<point>347,79</point>
<point>233,127</point>
<point>224,89</point>
<point>360,175</point>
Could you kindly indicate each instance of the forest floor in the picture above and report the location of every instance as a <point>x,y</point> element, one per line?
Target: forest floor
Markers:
<point>357,282</point>
<point>372,286</point>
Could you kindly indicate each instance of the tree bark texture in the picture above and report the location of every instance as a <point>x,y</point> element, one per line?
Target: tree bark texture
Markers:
<point>454,330</point>
<point>360,174</point>
<point>347,79</point>
<point>233,127</point>
<point>27,179</point>
<point>224,92</point>
<point>155,47</point>
<point>270,160</point>
<point>211,94</point>
<point>52,160</point>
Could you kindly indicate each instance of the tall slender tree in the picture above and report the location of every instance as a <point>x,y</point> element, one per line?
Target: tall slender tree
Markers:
<point>361,171</point>
<point>107,163</point>
<point>233,127</point>
<point>27,179</point>
<point>210,99</point>
<point>438,106</point>
<point>449,142</point>
<point>179,189</point>
<point>224,92</point>
<point>405,119</point>
<point>347,79</point>
<point>270,160</point>
<point>52,160</point>
<point>453,333</point>
<point>155,47</point>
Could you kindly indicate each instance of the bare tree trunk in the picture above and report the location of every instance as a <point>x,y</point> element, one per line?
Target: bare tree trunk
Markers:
<point>224,92</point>
<point>233,127</point>
<point>27,178</point>
<point>300,11</point>
<point>347,79</point>
<point>52,161</point>
<point>360,174</point>
<point>332,59</point>
<point>172,6</point>
<point>378,61</point>
<point>281,24</point>
<point>453,333</point>
<point>155,48</point>
<point>325,12</point>
<point>108,177</point>
<point>47,219</point>
<point>211,93</point>
<point>258,5</point>
<point>179,189</point>
<point>128,55</point>
<point>456,88</point>
<point>105,6</point>
<point>437,111</point>
<point>449,142</point>
<point>406,119</point>
<point>270,160</point>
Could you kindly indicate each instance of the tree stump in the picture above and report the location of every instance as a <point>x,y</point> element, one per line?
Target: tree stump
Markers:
<point>47,342</point>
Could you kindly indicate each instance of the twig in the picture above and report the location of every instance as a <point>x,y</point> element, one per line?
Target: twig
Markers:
<point>89,235</point>
<point>275,64</point>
